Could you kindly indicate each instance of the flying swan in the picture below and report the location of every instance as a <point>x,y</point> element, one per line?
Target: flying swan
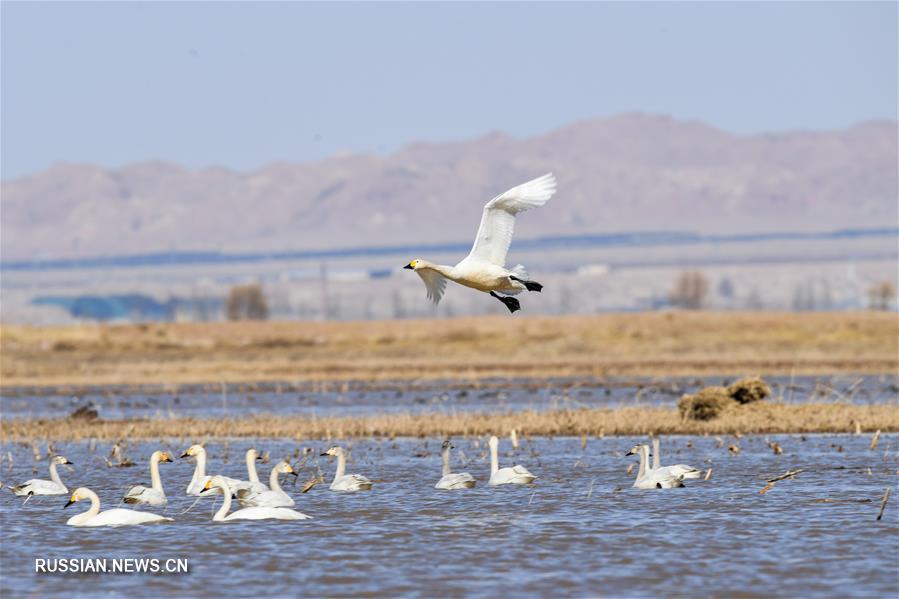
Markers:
<point>219,484</point>
<point>113,517</point>
<point>516,475</point>
<point>154,495</point>
<point>343,481</point>
<point>484,268</point>
<point>450,480</point>
<point>38,486</point>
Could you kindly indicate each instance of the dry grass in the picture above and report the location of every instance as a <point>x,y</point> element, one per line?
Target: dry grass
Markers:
<point>646,344</point>
<point>749,419</point>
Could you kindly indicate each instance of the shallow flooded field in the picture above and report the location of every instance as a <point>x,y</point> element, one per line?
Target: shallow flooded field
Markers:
<point>579,530</point>
<point>429,397</point>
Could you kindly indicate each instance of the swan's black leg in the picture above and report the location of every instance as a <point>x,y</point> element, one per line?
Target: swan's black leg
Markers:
<point>530,285</point>
<point>510,302</point>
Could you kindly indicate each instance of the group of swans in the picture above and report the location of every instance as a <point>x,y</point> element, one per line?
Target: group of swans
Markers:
<point>219,484</point>
<point>656,476</point>
<point>514,475</point>
<point>484,268</point>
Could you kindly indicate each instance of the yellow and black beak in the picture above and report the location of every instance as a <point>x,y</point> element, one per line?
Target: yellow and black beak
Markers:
<point>68,503</point>
<point>185,455</point>
<point>167,458</point>
<point>409,266</point>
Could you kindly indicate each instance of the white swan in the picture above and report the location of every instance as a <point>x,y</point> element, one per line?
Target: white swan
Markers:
<point>199,478</point>
<point>459,480</point>
<point>647,478</point>
<point>219,484</point>
<point>113,517</point>
<point>252,484</point>
<point>516,475</point>
<point>484,268</point>
<point>38,486</point>
<point>343,481</point>
<point>155,495</point>
<point>681,470</point>
<point>276,497</point>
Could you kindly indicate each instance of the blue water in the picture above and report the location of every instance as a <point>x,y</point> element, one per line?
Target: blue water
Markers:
<point>495,396</point>
<point>579,530</point>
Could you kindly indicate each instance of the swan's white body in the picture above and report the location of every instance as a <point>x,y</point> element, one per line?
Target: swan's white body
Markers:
<point>274,497</point>
<point>647,478</point>
<point>154,495</point>
<point>113,517</point>
<point>450,480</point>
<point>199,478</point>
<point>343,481</point>
<point>484,268</point>
<point>681,470</point>
<point>516,475</point>
<point>219,484</point>
<point>39,486</point>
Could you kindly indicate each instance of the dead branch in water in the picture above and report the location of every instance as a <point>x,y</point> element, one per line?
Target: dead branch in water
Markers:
<point>772,481</point>
<point>883,503</point>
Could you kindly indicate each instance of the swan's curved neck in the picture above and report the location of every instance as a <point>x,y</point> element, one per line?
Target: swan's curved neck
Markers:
<point>446,465</point>
<point>273,483</point>
<point>494,459</point>
<point>644,459</point>
<point>154,473</point>
<point>341,465</point>
<point>95,504</point>
<point>251,467</point>
<point>54,475</point>
<point>656,458</point>
<point>226,504</point>
<point>200,469</point>
<point>446,271</point>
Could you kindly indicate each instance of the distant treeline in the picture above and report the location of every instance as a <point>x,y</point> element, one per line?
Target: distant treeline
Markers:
<point>632,239</point>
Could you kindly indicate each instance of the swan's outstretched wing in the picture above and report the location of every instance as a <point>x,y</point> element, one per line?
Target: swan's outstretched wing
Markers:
<point>435,283</point>
<point>498,220</point>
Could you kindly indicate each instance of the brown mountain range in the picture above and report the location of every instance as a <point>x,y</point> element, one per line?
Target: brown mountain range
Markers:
<point>627,173</point>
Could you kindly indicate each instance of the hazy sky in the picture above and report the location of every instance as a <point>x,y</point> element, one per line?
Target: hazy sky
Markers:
<point>242,84</point>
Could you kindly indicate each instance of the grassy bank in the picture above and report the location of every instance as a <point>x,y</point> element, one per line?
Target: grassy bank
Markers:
<point>644,344</point>
<point>755,418</point>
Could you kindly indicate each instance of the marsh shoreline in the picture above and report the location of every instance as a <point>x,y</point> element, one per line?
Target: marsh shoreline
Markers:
<point>759,418</point>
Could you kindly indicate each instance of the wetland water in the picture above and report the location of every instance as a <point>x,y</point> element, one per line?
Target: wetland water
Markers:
<point>430,396</point>
<point>579,530</point>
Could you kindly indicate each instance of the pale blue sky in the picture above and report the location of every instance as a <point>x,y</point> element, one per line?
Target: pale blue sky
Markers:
<point>243,84</point>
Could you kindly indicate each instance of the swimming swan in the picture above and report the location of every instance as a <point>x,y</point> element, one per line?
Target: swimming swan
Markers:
<point>342,481</point>
<point>647,478</point>
<point>276,497</point>
<point>252,484</point>
<point>484,268</point>
<point>154,495</point>
<point>219,484</point>
<point>199,479</point>
<point>460,480</point>
<point>681,470</point>
<point>38,486</point>
<point>516,475</point>
<point>113,517</point>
